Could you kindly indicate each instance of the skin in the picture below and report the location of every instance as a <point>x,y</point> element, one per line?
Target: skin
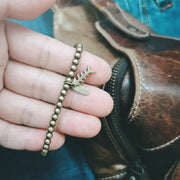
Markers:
<point>32,71</point>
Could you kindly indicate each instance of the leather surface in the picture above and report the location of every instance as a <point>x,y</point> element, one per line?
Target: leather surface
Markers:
<point>154,117</point>
<point>71,27</point>
<point>156,63</point>
<point>118,17</point>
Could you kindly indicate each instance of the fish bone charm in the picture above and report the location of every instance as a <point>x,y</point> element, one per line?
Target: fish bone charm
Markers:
<point>75,85</point>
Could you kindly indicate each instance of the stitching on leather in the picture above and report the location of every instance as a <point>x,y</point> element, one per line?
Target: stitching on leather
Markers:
<point>117,176</point>
<point>132,55</point>
<point>136,101</point>
<point>162,146</point>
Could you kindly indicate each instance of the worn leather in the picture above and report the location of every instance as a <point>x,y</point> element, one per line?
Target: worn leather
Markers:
<point>76,23</point>
<point>155,111</point>
<point>154,118</point>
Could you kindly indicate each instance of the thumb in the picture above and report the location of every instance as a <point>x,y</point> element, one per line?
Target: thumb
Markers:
<point>23,9</point>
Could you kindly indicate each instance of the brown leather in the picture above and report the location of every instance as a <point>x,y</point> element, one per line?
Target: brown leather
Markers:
<point>105,157</point>
<point>118,17</point>
<point>154,117</point>
<point>74,23</point>
<point>156,63</point>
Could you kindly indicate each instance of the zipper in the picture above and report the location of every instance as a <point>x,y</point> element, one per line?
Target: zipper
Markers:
<point>115,122</point>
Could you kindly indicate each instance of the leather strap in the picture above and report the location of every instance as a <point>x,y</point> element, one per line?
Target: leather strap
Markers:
<point>118,17</point>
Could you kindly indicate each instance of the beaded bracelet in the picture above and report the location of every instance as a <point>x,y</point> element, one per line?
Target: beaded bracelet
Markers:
<point>58,107</point>
<point>70,82</point>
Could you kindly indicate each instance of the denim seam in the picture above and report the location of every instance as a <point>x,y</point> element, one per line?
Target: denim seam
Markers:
<point>127,5</point>
<point>143,11</point>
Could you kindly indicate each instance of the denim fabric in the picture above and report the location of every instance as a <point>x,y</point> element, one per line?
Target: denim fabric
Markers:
<point>163,16</point>
<point>43,24</point>
<point>67,163</point>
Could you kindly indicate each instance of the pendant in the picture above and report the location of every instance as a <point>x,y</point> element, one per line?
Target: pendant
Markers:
<point>81,89</point>
<point>75,84</point>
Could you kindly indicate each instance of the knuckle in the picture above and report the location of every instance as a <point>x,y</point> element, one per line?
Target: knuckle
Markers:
<point>45,53</point>
<point>26,115</point>
<point>38,85</point>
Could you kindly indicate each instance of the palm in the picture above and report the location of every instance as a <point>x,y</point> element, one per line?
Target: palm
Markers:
<point>32,70</point>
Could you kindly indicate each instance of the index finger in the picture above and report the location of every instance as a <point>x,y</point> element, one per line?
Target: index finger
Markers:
<point>44,52</point>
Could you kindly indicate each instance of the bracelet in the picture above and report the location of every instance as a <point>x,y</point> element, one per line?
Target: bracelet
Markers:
<point>70,82</point>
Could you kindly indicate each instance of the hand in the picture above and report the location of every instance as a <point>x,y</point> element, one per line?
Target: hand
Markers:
<point>32,72</point>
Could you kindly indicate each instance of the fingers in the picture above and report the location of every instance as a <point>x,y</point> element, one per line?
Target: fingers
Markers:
<point>22,110</point>
<point>26,138</point>
<point>20,9</point>
<point>41,51</point>
<point>45,85</point>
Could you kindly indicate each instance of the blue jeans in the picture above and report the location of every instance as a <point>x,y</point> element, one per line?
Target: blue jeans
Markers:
<point>68,163</point>
<point>163,16</point>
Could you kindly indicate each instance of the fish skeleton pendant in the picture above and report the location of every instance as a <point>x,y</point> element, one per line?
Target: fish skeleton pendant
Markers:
<point>75,84</point>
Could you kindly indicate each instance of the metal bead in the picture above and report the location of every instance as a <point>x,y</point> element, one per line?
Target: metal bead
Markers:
<point>57,111</point>
<point>59,105</point>
<point>68,79</point>
<point>79,49</point>
<point>49,135</point>
<point>44,152</point>
<point>50,129</point>
<point>61,98</point>
<point>75,62</point>
<point>77,55</point>
<point>73,68</point>
<point>52,123</point>
<point>46,147</point>
<point>54,117</point>
<point>71,74</point>
<point>47,141</point>
<point>66,86</point>
<point>78,45</point>
<point>63,92</point>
